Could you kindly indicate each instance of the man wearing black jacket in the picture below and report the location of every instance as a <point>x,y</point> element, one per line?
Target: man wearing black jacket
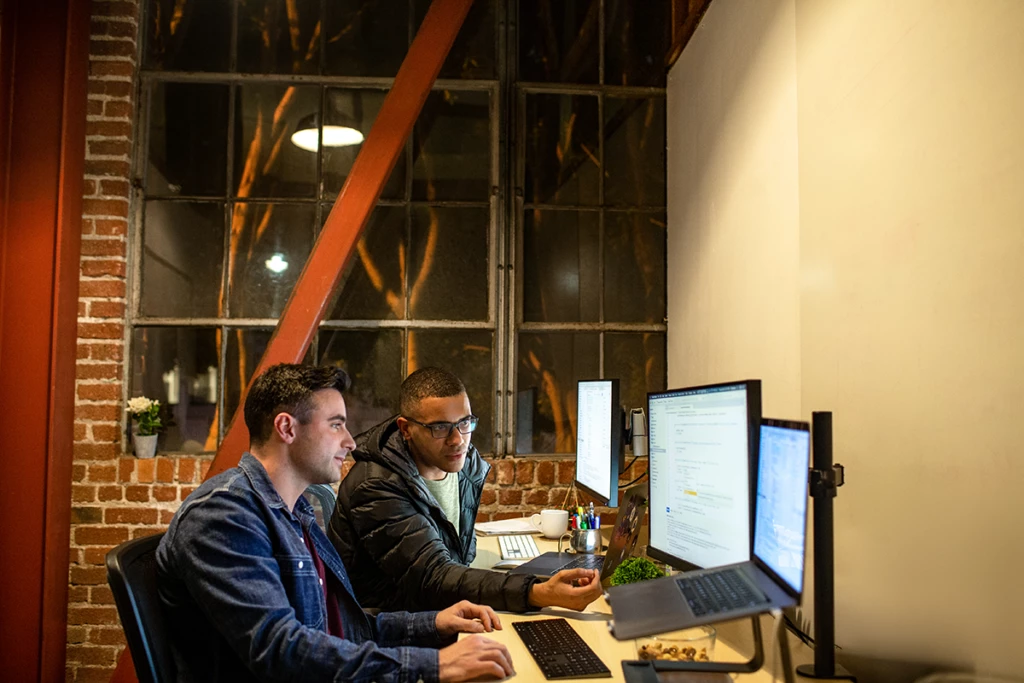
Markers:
<point>404,520</point>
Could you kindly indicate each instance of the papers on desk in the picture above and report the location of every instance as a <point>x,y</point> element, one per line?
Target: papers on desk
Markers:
<point>505,527</point>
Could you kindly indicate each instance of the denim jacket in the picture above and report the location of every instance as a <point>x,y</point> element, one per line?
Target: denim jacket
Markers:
<point>243,601</point>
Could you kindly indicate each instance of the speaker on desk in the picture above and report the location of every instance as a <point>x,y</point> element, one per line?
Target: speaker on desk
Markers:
<point>638,431</point>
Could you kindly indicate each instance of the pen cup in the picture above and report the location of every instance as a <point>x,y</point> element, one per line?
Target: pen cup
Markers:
<point>583,541</point>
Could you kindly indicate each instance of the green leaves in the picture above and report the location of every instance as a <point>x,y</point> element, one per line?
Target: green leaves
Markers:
<point>635,569</point>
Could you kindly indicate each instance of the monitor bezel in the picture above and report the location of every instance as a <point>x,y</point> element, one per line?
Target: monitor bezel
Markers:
<point>616,445</point>
<point>753,387</point>
<point>758,562</point>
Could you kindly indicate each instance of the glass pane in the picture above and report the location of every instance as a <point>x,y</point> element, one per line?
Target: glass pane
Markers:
<point>472,55</point>
<point>561,149</point>
<point>269,246</point>
<point>452,144</point>
<point>187,36</point>
<point>638,360</point>
<point>448,275</point>
<point>188,139</point>
<point>373,358</point>
<point>356,109</point>
<point>634,151</point>
<point>470,355</point>
<point>366,37</point>
<point>558,41</point>
<point>267,162</point>
<point>374,288</point>
<point>638,37</point>
<point>561,266</point>
<point>245,349</point>
<point>634,267</point>
<point>279,37</point>
<point>550,364</point>
<point>178,366</point>
<point>182,254</point>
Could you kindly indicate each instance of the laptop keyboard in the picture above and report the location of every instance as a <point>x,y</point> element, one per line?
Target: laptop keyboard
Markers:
<point>559,651</point>
<point>584,561</point>
<point>719,591</point>
<point>518,547</point>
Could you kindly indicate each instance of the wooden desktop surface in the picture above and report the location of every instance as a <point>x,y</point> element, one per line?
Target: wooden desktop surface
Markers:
<point>734,642</point>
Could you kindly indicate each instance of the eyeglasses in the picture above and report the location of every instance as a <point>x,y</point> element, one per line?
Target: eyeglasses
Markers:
<point>442,430</point>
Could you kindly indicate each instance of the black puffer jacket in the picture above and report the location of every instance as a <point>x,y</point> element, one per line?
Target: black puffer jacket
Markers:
<point>400,550</point>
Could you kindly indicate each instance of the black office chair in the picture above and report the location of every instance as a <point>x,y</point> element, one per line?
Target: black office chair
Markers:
<point>131,573</point>
<point>323,499</point>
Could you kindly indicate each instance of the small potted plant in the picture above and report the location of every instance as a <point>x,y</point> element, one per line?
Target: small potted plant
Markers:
<point>635,569</point>
<point>147,414</point>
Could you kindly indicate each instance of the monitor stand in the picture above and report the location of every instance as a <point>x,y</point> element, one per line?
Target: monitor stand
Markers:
<point>660,671</point>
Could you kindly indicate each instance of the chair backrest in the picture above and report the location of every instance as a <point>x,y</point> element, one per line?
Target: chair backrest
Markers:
<point>131,573</point>
<point>323,498</point>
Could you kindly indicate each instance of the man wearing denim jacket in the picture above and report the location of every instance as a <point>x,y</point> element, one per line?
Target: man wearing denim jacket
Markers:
<point>254,591</point>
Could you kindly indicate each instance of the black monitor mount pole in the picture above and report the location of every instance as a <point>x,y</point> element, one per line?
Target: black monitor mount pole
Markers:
<point>825,479</point>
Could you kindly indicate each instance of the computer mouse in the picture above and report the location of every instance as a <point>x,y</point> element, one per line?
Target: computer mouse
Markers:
<point>509,564</point>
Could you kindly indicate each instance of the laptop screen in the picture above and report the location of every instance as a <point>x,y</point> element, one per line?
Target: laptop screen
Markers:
<point>780,521</point>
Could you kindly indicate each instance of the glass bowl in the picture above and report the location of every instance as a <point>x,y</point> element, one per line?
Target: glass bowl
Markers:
<point>689,645</point>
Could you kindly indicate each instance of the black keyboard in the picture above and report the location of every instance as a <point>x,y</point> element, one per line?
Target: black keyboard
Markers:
<point>719,591</point>
<point>584,561</point>
<point>559,651</point>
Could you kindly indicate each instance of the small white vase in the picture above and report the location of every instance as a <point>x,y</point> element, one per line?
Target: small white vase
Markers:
<point>145,446</point>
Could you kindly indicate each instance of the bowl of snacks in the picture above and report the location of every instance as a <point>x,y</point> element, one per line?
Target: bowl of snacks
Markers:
<point>689,645</point>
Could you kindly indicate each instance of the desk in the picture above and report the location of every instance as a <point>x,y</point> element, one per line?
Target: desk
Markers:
<point>734,643</point>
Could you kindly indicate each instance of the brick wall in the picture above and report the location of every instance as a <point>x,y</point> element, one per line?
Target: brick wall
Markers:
<point>115,496</point>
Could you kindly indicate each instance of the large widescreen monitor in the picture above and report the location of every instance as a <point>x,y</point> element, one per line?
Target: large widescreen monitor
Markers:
<point>599,439</point>
<point>703,449</point>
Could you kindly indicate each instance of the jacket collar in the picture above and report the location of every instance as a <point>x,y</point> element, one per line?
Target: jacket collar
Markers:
<point>264,488</point>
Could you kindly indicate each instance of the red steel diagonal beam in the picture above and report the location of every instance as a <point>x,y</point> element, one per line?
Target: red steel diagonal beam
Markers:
<point>334,248</point>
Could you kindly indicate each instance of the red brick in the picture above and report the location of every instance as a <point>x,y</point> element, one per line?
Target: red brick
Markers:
<point>492,475</point>
<point>111,227</point>
<point>104,247</point>
<point>545,472</point>
<point>100,330</point>
<point>101,288</point>
<point>109,493</point>
<point>79,432</point>
<point>93,107</point>
<point>106,636</point>
<point>118,208</point>
<point>166,516</point>
<point>100,535</point>
<point>125,468</point>
<point>95,451</point>
<point>96,656</point>
<point>142,532</point>
<point>76,634</point>
<point>112,67</point>
<point>506,472</point>
<point>108,167</point>
<point>186,491</point>
<point>145,471</point>
<point>92,615</point>
<point>112,186</point>
<point>81,493</point>
<point>566,472</point>
<point>165,494</point>
<point>132,515</point>
<point>204,467</point>
<point>86,514</point>
<point>95,554</point>
<point>137,494</point>
<point>109,148</point>
<point>483,517</point>
<point>81,309</point>
<point>96,391</point>
<point>77,472</point>
<point>506,515</point>
<point>101,267</point>
<point>524,472</point>
<point>114,352</point>
<point>110,433</point>
<point>556,496</point>
<point>115,109</point>
<point>186,470</point>
<point>537,497</point>
<point>88,188</point>
<point>102,474</point>
<point>112,48</point>
<point>121,9</point>
<point>510,497</point>
<point>165,470</point>
<point>114,29</point>
<point>106,412</point>
<point>88,576</point>
<point>101,595</point>
<point>488,497</point>
<point>92,674</point>
<point>98,371</point>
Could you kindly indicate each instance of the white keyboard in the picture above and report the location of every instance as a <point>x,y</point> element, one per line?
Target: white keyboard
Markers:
<point>518,547</point>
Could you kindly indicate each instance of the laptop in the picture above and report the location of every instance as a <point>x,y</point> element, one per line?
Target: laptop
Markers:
<point>620,546</point>
<point>773,579</point>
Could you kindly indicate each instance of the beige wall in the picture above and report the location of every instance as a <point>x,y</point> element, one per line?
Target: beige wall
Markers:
<point>857,167</point>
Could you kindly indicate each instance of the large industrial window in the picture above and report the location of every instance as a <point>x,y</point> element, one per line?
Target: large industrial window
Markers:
<point>519,242</point>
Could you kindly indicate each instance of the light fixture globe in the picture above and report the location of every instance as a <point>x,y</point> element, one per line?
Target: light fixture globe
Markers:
<point>307,133</point>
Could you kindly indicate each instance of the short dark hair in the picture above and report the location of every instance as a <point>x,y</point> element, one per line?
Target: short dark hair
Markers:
<point>427,383</point>
<point>288,388</point>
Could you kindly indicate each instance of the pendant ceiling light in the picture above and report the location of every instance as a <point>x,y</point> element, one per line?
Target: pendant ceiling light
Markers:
<point>307,134</point>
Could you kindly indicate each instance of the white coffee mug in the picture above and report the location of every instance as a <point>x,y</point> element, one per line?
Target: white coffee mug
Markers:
<point>552,523</point>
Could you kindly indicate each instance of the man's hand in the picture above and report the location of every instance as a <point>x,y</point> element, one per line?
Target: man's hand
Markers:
<point>473,657</point>
<point>571,588</point>
<point>466,617</point>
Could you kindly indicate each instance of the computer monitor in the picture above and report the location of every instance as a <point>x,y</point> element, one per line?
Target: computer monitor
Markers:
<point>702,450</point>
<point>599,439</point>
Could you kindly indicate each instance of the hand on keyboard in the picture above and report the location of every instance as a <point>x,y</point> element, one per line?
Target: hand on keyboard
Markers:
<point>473,657</point>
<point>569,588</point>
